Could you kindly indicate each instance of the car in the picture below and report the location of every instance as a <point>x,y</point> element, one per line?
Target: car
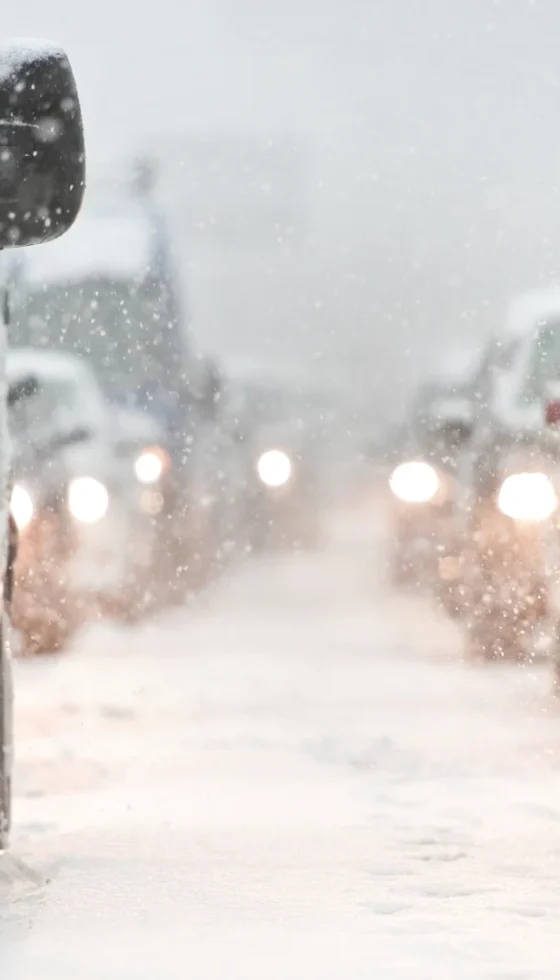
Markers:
<point>288,506</point>
<point>108,293</point>
<point>225,464</point>
<point>424,487</point>
<point>72,500</point>
<point>282,476</point>
<point>41,190</point>
<point>512,557</point>
<point>140,444</point>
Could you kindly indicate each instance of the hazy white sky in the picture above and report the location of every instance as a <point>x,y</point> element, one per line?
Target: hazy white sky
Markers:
<point>431,157</point>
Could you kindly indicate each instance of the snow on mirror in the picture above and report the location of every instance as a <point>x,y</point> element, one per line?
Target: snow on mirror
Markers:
<point>41,143</point>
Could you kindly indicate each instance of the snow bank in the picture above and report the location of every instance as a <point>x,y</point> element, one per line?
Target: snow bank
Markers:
<point>297,778</point>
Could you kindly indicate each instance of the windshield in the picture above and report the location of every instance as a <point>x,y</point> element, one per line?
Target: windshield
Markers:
<point>58,405</point>
<point>128,332</point>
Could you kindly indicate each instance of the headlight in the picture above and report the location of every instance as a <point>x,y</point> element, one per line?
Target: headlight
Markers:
<point>88,500</point>
<point>274,468</point>
<point>415,482</point>
<point>527,497</point>
<point>21,506</point>
<point>151,464</point>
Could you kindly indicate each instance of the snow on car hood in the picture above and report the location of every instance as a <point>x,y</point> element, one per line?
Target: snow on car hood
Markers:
<point>46,364</point>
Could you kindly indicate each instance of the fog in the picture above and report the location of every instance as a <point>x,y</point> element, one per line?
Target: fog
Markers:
<point>409,188</point>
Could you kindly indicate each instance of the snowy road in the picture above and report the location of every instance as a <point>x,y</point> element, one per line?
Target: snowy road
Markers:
<point>298,779</point>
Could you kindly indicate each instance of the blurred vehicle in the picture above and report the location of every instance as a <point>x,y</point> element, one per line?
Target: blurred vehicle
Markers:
<point>110,294</point>
<point>188,505</point>
<point>70,500</point>
<point>195,522</point>
<point>282,474</point>
<point>424,484</point>
<point>228,471</point>
<point>287,504</point>
<point>511,544</point>
<point>41,189</point>
<point>144,463</point>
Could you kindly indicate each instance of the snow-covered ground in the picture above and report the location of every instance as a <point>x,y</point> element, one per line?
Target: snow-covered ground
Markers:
<point>297,779</point>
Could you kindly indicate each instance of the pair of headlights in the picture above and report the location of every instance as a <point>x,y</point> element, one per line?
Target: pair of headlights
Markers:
<point>88,502</point>
<point>528,497</point>
<point>88,498</point>
<point>274,467</point>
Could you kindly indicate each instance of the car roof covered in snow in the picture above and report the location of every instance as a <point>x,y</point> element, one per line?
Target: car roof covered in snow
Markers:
<point>49,365</point>
<point>105,242</point>
<point>529,309</point>
<point>458,367</point>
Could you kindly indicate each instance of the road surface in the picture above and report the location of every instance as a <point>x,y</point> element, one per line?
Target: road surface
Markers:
<point>297,779</point>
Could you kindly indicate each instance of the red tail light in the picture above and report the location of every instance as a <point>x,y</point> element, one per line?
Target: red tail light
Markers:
<point>552,412</point>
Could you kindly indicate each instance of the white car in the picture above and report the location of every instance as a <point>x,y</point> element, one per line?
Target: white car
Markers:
<point>70,499</point>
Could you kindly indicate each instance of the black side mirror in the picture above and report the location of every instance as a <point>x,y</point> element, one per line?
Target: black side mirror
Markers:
<point>42,158</point>
<point>21,390</point>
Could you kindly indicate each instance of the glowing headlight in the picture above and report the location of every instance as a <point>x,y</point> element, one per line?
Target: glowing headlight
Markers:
<point>21,506</point>
<point>274,468</point>
<point>151,464</point>
<point>148,467</point>
<point>415,482</point>
<point>527,497</point>
<point>88,500</point>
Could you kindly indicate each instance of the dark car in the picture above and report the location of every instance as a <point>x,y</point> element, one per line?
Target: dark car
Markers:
<point>282,474</point>
<point>511,542</point>
<point>425,483</point>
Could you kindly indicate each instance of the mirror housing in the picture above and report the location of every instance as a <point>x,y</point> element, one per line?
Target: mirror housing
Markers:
<point>42,156</point>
